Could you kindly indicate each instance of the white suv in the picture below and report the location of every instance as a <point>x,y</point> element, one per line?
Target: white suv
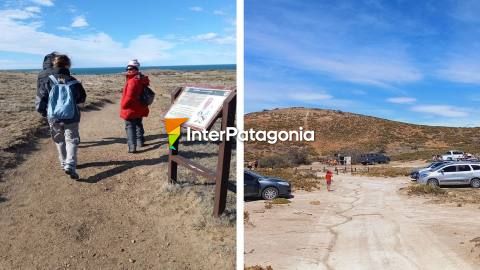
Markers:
<point>458,173</point>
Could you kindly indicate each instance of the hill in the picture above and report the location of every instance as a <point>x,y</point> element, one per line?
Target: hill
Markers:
<point>343,132</point>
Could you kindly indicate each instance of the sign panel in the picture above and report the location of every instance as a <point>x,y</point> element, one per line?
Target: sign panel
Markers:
<point>200,105</point>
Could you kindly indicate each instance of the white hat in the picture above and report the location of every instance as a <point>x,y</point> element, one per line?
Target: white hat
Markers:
<point>134,62</point>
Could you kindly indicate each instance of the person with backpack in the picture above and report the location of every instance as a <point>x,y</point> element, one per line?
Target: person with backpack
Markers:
<point>133,107</point>
<point>58,96</point>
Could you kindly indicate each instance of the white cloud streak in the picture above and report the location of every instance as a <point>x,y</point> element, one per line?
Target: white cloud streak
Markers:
<point>441,110</point>
<point>401,100</point>
<point>79,22</point>
<point>47,3</point>
<point>196,9</point>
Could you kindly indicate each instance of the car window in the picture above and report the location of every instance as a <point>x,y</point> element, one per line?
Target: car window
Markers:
<point>457,153</point>
<point>464,168</point>
<point>447,153</point>
<point>450,169</point>
<point>476,167</point>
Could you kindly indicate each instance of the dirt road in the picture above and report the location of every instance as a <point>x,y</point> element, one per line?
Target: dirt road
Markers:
<point>364,224</point>
<point>121,214</point>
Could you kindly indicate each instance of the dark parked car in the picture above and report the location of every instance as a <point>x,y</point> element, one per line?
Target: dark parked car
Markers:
<point>374,158</point>
<point>265,187</point>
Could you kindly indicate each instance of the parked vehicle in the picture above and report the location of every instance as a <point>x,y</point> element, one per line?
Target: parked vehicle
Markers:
<point>268,188</point>
<point>374,158</point>
<point>416,173</point>
<point>453,155</point>
<point>458,173</point>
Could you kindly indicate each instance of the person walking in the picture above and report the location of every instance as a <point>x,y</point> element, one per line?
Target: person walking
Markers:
<point>328,179</point>
<point>58,96</point>
<point>132,110</point>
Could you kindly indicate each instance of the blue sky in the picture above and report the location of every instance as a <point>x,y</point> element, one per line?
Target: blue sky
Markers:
<point>405,60</point>
<point>109,33</point>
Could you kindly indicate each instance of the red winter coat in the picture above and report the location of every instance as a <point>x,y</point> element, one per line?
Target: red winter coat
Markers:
<point>130,106</point>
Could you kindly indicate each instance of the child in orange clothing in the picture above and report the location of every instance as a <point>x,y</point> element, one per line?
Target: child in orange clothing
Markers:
<point>328,178</point>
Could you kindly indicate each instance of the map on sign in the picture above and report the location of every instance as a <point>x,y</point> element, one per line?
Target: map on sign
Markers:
<point>199,105</point>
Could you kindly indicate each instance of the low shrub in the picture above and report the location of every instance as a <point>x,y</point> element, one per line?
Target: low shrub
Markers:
<point>420,189</point>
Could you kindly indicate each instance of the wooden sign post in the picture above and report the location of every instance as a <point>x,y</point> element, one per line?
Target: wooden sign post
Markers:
<point>222,172</point>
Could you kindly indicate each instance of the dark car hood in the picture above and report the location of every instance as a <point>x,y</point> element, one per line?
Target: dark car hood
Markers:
<point>277,180</point>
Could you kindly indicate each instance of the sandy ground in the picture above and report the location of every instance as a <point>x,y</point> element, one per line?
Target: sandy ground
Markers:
<point>122,214</point>
<point>364,224</point>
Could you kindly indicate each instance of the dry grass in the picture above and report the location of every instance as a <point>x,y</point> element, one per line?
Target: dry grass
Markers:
<point>385,171</point>
<point>315,202</point>
<point>246,217</point>
<point>300,180</point>
<point>280,201</point>
<point>21,126</point>
<point>421,189</point>
<point>457,196</point>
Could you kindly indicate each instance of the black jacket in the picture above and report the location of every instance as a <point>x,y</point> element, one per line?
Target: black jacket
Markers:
<point>44,85</point>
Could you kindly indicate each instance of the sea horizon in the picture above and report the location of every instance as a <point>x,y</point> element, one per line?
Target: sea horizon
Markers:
<point>115,70</point>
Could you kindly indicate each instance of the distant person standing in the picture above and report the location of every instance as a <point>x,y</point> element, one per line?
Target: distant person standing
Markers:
<point>328,179</point>
<point>58,96</point>
<point>132,110</point>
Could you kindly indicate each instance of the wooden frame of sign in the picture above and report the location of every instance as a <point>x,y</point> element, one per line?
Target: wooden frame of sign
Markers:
<point>227,114</point>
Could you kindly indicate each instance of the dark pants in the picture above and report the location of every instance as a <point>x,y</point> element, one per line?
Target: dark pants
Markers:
<point>134,129</point>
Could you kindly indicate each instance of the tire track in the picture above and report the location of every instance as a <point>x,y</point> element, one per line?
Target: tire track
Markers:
<point>331,228</point>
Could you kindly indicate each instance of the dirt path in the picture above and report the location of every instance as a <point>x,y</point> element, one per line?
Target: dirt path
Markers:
<point>122,214</point>
<point>363,224</point>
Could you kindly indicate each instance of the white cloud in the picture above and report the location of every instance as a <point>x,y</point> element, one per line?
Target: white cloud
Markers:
<point>219,12</point>
<point>401,100</point>
<point>33,9</point>
<point>22,25</point>
<point>206,36</point>
<point>79,22</point>
<point>64,28</point>
<point>196,9</point>
<point>462,71</point>
<point>93,50</point>
<point>215,38</point>
<point>441,110</point>
<point>47,3</point>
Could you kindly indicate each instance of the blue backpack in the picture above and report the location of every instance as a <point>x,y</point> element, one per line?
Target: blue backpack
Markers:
<point>61,102</point>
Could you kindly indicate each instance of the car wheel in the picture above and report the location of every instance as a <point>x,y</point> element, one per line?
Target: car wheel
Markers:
<point>270,193</point>
<point>433,182</point>
<point>475,183</point>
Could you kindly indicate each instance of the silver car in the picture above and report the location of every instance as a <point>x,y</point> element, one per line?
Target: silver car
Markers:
<point>459,173</point>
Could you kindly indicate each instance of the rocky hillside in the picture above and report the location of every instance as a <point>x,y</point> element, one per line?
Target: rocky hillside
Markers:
<point>342,132</point>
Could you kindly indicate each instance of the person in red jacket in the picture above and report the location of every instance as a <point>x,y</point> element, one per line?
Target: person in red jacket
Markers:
<point>132,110</point>
<point>328,178</point>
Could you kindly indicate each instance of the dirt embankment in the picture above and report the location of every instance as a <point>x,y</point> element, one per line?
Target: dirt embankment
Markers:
<point>122,213</point>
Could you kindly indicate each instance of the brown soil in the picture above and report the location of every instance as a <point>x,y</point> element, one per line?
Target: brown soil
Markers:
<point>122,214</point>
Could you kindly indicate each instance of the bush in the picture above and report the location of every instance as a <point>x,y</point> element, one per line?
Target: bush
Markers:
<point>294,157</point>
<point>420,189</point>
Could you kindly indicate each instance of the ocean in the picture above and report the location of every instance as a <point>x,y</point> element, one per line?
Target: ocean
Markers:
<point>114,70</point>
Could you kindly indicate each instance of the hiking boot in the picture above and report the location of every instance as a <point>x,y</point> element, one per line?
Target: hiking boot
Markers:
<point>132,149</point>
<point>71,172</point>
